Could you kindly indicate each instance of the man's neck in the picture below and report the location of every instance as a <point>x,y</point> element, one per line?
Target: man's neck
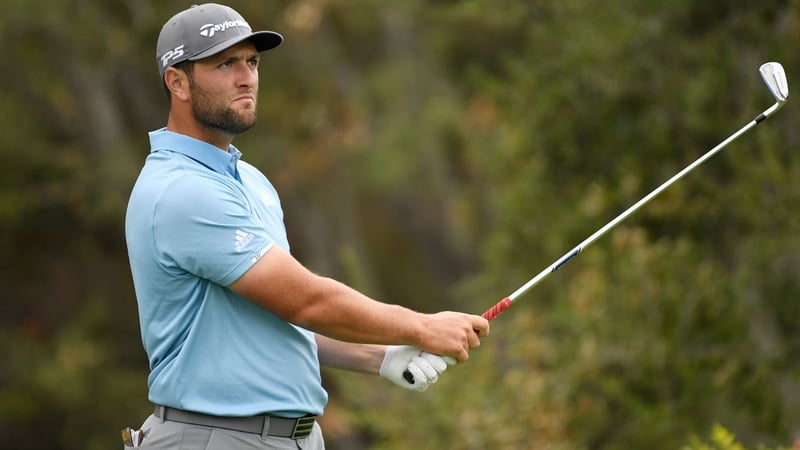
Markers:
<point>191,128</point>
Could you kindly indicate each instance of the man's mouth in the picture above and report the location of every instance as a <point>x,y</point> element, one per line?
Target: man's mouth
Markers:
<point>245,98</point>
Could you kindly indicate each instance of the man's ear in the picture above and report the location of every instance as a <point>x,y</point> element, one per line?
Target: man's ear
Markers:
<point>177,81</point>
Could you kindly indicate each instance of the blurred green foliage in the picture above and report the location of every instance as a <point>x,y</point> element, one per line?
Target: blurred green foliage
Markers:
<point>721,439</point>
<point>438,154</point>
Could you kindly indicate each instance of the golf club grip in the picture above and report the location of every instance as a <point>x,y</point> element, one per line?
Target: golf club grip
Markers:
<point>497,309</point>
<point>489,315</point>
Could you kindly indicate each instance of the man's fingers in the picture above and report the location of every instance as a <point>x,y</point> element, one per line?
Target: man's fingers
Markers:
<point>431,374</point>
<point>436,361</point>
<point>463,355</point>
<point>480,325</point>
<point>473,340</point>
<point>419,376</point>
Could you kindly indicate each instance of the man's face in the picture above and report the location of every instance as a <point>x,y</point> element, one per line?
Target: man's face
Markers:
<point>225,89</point>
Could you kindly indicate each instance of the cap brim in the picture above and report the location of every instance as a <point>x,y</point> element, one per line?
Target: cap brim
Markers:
<point>263,40</point>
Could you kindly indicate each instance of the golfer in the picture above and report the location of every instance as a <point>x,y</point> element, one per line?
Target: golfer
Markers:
<point>234,327</point>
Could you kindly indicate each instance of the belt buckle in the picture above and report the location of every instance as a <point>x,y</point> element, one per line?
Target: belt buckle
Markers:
<point>303,427</point>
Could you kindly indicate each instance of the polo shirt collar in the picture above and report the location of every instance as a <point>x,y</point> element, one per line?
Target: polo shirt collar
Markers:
<point>203,152</point>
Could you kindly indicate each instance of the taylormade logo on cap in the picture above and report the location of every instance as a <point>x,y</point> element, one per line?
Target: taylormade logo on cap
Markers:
<point>205,30</point>
<point>208,30</point>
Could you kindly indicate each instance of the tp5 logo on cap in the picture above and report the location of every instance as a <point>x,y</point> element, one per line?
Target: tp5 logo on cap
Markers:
<point>205,30</point>
<point>175,53</point>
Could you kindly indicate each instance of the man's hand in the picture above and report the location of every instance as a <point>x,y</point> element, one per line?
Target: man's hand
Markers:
<point>452,334</point>
<point>424,367</point>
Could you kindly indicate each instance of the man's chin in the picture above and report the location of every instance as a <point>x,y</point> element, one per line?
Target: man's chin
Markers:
<point>247,119</point>
<point>244,122</point>
<point>228,121</point>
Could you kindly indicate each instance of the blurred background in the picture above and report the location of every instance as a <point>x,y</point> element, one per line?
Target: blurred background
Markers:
<point>437,154</point>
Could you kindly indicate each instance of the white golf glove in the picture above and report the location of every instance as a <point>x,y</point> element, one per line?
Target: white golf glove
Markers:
<point>411,368</point>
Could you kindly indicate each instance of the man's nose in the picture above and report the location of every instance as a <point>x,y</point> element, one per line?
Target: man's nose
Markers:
<point>247,75</point>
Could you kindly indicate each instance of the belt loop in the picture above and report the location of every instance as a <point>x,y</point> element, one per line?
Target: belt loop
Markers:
<point>265,428</point>
<point>161,413</point>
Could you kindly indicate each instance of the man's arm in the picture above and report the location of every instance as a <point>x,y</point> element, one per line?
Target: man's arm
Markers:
<point>365,358</point>
<point>280,284</point>
<point>403,365</point>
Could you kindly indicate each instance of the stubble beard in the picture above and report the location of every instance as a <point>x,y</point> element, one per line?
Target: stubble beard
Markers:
<point>215,116</point>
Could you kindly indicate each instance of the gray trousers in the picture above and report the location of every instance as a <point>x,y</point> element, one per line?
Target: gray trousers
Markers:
<point>180,436</point>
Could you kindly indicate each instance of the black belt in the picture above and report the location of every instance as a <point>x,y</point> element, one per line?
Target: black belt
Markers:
<point>264,424</point>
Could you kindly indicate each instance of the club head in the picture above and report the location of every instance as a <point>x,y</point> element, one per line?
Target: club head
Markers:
<point>775,78</point>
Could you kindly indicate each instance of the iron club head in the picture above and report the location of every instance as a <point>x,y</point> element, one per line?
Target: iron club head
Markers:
<point>775,78</point>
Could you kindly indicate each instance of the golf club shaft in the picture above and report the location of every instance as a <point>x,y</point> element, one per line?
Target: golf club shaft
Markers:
<point>506,303</point>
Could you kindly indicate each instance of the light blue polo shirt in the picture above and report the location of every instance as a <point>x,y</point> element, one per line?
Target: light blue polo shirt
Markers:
<point>198,218</point>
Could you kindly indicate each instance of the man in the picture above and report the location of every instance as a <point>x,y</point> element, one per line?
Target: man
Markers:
<point>234,327</point>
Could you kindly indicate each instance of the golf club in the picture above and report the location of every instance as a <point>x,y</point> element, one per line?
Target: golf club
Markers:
<point>775,78</point>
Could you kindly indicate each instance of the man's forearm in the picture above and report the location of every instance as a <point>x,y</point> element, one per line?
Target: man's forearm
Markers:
<point>340,312</point>
<point>366,358</point>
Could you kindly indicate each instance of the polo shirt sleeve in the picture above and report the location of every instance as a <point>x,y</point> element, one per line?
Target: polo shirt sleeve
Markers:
<point>208,228</point>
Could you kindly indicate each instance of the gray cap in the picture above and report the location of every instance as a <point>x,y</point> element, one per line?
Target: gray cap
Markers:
<point>205,30</point>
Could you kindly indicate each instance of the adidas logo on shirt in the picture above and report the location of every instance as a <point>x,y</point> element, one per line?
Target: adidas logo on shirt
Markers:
<point>242,239</point>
